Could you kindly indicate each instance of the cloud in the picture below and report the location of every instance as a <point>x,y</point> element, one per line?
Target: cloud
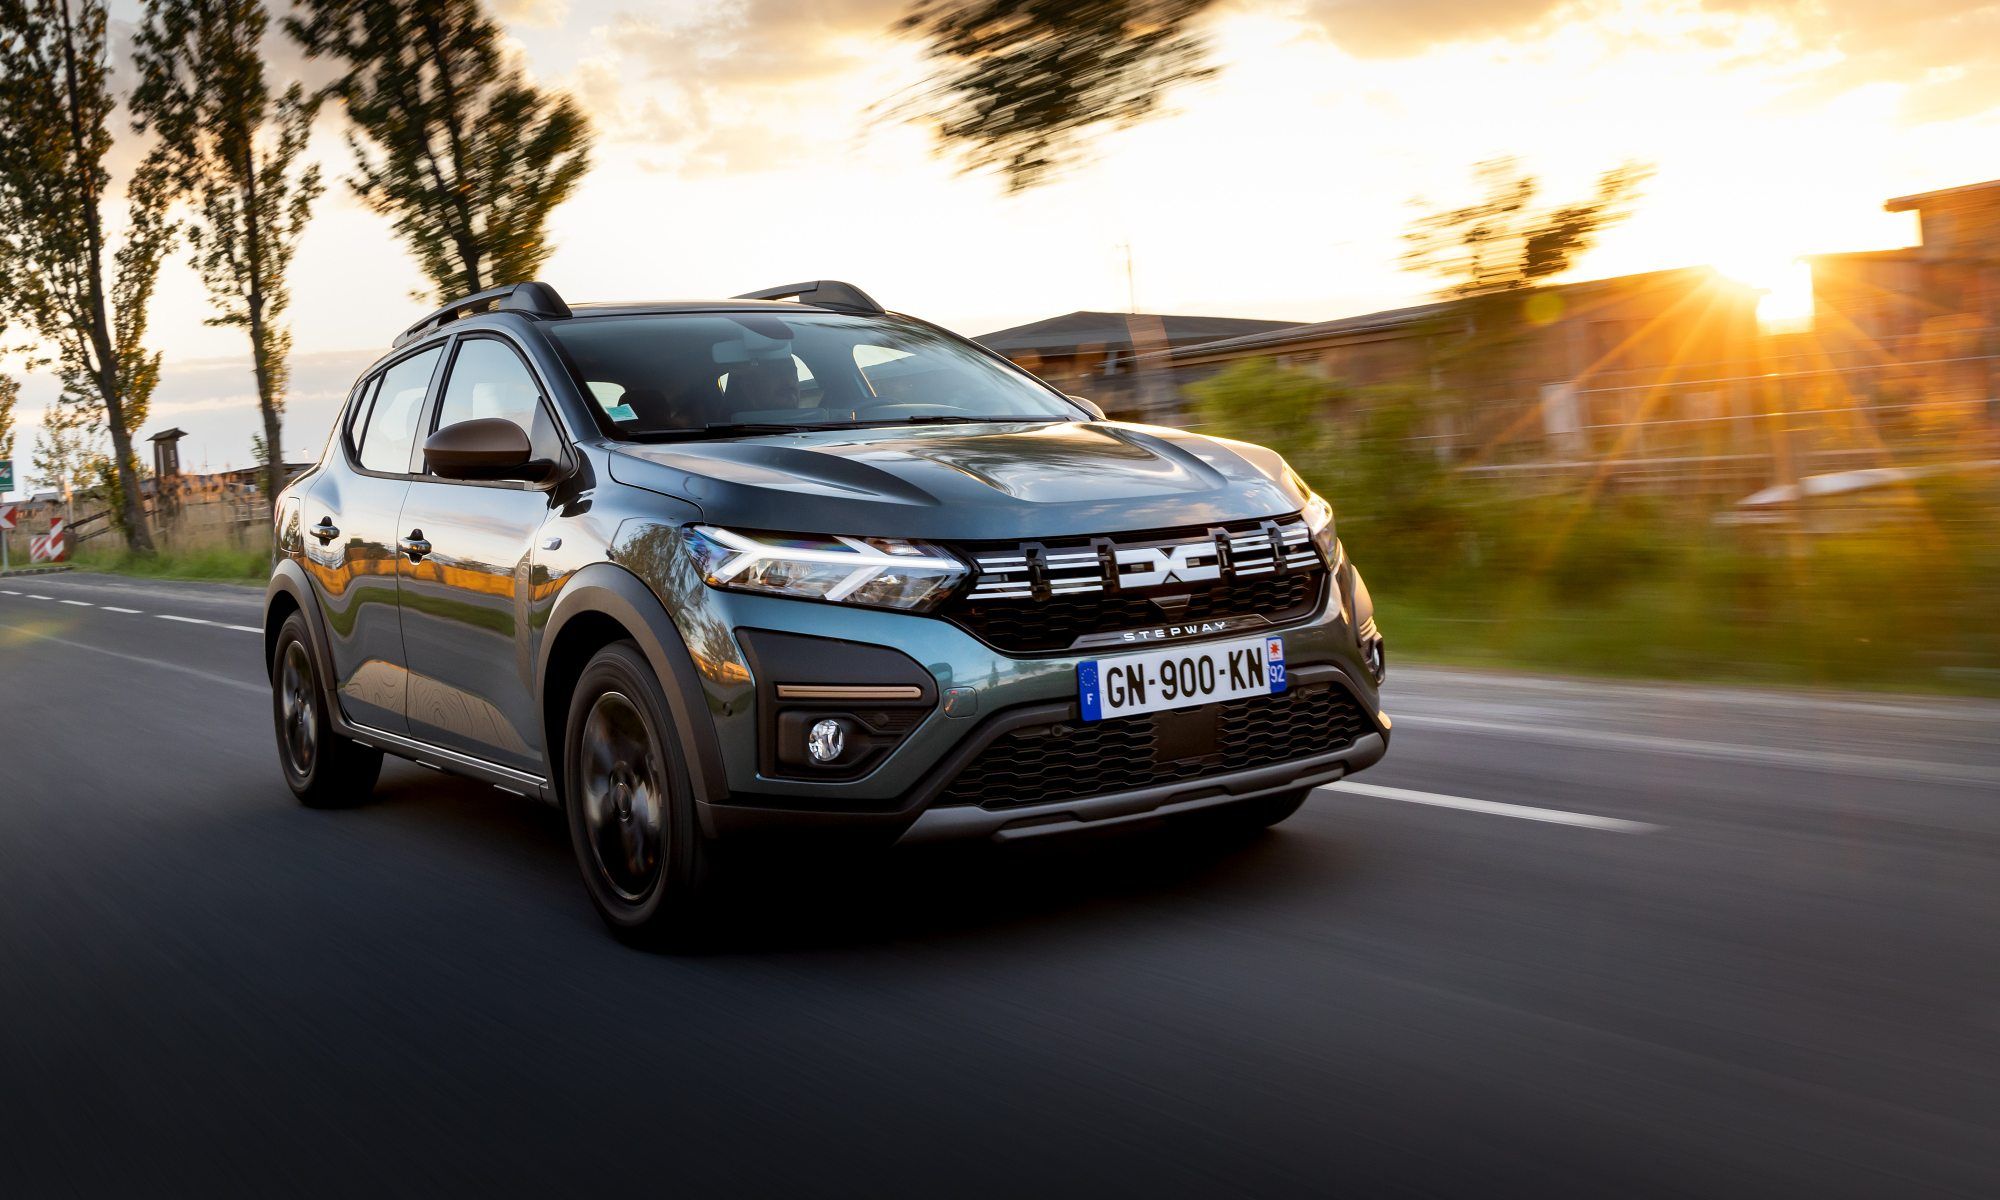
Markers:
<point>1940,50</point>
<point>534,14</point>
<point>743,87</point>
<point>1373,29</point>
<point>756,43</point>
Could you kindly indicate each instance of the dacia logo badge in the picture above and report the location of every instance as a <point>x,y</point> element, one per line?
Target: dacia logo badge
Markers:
<point>1168,564</point>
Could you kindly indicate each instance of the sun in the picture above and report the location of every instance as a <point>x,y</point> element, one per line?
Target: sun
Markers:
<point>1783,282</point>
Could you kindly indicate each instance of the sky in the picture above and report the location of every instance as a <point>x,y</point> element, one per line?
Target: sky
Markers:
<point>751,143</point>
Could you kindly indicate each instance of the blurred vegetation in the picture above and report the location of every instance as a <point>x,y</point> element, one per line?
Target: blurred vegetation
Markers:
<point>1019,87</point>
<point>1485,572</point>
<point>1489,257</point>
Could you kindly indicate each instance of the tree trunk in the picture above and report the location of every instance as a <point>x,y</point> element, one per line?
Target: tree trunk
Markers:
<point>138,538</point>
<point>260,347</point>
<point>274,455</point>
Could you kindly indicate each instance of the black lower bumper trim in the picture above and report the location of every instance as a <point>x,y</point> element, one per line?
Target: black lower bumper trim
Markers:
<point>1098,812</point>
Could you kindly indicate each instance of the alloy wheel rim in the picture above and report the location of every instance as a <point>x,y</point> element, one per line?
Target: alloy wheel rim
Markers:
<point>622,796</point>
<point>298,720</point>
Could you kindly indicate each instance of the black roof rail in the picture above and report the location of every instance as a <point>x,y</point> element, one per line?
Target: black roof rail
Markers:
<point>533,297</point>
<point>822,293</point>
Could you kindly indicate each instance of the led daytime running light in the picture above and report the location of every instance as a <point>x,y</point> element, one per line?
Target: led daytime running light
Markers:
<point>867,561</point>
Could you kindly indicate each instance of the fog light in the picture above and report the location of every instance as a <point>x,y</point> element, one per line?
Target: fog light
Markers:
<point>1377,656</point>
<point>826,740</point>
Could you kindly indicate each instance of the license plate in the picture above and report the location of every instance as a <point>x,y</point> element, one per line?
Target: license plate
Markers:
<point>1179,676</point>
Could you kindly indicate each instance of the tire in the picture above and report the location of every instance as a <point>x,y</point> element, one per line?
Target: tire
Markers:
<point>323,768</point>
<point>630,804</point>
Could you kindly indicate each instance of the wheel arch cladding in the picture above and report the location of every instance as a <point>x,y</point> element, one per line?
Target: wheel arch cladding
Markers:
<point>601,604</point>
<point>288,593</point>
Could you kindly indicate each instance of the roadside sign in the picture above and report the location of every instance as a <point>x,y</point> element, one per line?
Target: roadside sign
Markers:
<point>6,474</point>
<point>52,546</point>
<point>8,513</point>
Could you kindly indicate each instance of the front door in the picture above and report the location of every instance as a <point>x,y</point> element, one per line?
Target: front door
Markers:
<point>467,600</point>
<point>351,541</point>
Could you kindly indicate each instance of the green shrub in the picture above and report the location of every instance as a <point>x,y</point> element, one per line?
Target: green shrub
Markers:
<point>1482,571</point>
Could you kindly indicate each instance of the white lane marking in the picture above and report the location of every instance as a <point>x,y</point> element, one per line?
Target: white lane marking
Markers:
<point>8,592</point>
<point>1495,808</point>
<point>162,616</point>
<point>1834,761</point>
<point>259,689</point>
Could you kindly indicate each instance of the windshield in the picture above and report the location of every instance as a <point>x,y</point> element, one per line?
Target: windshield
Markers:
<point>695,374</point>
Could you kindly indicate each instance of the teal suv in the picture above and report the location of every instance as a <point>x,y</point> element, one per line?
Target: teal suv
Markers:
<point>789,564</point>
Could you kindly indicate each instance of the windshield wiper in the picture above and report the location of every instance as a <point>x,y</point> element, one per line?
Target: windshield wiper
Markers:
<point>936,419</point>
<point>724,429</point>
<point>730,429</point>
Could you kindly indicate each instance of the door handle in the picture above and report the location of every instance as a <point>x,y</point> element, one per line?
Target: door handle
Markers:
<point>325,531</point>
<point>414,546</point>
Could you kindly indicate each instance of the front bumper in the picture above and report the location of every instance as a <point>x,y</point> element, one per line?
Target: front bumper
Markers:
<point>951,822</point>
<point>902,795</point>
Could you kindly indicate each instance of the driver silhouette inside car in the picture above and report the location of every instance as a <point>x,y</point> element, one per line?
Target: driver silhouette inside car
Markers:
<point>761,385</point>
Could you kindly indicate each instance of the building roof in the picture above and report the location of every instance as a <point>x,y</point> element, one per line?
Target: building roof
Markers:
<point>1403,318</point>
<point>1113,331</point>
<point>1393,318</point>
<point>1921,199</point>
<point>1894,254</point>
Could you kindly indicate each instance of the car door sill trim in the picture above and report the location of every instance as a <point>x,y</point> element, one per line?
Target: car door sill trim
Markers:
<point>426,754</point>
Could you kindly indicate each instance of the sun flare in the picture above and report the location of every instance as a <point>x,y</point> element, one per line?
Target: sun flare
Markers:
<point>1783,282</point>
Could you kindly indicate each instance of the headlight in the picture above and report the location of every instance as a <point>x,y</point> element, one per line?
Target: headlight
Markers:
<point>880,572</point>
<point>1319,522</point>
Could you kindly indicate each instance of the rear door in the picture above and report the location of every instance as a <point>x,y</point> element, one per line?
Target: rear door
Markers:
<point>351,540</point>
<point>467,602</point>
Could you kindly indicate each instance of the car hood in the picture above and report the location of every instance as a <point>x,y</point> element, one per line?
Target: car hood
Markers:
<point>999,481</point>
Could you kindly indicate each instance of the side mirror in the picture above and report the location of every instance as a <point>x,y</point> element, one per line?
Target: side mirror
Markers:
<point>1091,407</point>
<point>484,448</point>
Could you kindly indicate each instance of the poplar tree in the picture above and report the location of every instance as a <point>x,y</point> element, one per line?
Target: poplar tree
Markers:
<point>10,394</point>
<point>231,151</point>
<point>465,157</point>
<point>58,277</point>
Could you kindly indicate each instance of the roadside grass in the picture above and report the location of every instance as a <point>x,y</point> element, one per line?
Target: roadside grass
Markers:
<point>214,563</point>
<point>1650,636</point>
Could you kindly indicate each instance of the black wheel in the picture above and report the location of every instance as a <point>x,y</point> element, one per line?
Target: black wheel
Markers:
<point>324,769</point>
<point>630,802</point>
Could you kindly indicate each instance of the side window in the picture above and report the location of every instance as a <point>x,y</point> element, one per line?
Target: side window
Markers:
<point>489,380</point>
<point>392,422</point>
<point>357,413</point>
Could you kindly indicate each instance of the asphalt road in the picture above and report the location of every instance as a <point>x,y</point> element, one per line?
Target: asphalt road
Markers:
<point>1591,940</point>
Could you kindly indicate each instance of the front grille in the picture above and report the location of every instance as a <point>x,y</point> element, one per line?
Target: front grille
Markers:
<point>1040,597</point>
<point>1056,624</point>
<point>1068,760</point>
